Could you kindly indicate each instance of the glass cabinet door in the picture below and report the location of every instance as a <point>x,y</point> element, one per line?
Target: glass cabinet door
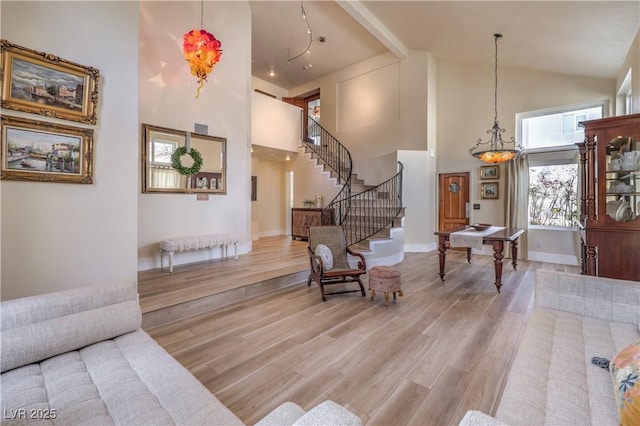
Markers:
<point>622,175</point>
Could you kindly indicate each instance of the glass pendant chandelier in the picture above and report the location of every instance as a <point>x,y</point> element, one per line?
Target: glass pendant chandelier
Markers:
<point>202,50</point>
<point>494,150</point>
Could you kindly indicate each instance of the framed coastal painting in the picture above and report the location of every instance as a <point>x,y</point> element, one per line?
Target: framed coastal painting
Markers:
<point>489,191</point>
<point>489,172</point>
<point>45,152</point>
<point>44,84</point>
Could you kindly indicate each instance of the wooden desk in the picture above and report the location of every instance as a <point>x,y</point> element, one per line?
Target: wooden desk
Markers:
<point>496,240</point>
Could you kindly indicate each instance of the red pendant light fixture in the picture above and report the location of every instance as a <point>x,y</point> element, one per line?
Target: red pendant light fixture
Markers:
<point>202,50</point>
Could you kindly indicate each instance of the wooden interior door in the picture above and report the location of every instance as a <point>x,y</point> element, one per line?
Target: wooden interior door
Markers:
<point>303,102</point>
<point>453,200</point>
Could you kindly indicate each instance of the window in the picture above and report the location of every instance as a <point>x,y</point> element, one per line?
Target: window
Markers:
<point>313,112</point>
<point>549,136</point>
<point>162,151</point>
<point>553,195</point>
<point>557,127</point>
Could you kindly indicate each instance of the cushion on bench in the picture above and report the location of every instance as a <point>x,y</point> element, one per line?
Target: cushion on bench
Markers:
<point>196,242</point>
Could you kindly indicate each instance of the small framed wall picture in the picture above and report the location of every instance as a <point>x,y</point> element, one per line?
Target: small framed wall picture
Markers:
<point>489,191</point>
<point>489,172</point>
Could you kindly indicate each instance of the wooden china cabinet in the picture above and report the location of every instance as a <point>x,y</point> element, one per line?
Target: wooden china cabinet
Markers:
<point>610,200</point>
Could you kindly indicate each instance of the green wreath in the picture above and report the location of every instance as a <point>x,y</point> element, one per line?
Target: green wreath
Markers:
<point>177,164</point>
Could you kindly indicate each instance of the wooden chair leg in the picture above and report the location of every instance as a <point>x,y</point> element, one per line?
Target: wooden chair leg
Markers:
<point>309,281</point>
<point>324,297</point>
<point>386,298</point>
<point>373,293</point>
<point>361,288</point>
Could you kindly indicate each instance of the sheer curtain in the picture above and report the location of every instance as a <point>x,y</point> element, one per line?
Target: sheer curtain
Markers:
<point>165,177</point>
<point>517,204</point>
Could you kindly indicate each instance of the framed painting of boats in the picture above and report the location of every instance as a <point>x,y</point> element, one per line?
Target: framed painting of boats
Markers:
<point>47,85</point>
<point>45,152</point>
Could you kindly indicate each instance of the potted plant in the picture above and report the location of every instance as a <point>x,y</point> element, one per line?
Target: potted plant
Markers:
<point>308,203</point>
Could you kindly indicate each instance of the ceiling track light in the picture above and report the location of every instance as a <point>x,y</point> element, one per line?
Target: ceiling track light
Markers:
<point>306,49</point>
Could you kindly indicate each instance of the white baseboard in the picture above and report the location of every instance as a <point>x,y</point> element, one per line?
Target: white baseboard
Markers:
<point>274,233</point>
<point>146,264</point>
<point>563,259</point>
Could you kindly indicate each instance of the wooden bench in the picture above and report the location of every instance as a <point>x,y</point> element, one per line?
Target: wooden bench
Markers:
<point>198,242</point>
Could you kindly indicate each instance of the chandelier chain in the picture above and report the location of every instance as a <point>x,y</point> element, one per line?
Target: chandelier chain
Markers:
<point>495,72</point>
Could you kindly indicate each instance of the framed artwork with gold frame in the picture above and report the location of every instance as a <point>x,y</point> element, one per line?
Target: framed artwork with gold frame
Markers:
<point>44,84</point>
<point>489,172</point>
<point>45,152</point>
<point>489,191</point>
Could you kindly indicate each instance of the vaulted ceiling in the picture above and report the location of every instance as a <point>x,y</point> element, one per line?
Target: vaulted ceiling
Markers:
<point>583,38</point>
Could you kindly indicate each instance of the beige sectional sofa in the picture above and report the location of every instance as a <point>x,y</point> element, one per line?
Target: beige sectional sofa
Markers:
<point>552,380</point>
<point>80,357</point>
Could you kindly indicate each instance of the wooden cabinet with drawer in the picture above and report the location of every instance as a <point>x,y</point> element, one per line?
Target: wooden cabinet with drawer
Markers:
<point>303,218</point>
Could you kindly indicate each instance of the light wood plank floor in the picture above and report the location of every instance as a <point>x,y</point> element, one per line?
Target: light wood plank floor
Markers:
<point>426,359</point>
<point>269,258</point>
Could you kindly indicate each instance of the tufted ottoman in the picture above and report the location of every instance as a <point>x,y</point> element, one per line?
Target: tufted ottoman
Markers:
<point>385,279</point>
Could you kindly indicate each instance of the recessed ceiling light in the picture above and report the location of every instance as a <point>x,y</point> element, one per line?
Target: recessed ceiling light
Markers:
<point>306,67</point>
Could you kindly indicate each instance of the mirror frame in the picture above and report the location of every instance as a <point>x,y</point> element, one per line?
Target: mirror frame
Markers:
<point>147,129</point>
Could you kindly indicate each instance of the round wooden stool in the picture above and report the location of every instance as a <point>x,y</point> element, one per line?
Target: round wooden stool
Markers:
<point>385,279</point>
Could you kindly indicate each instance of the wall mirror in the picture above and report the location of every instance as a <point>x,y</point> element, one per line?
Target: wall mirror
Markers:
<point>159,173</point>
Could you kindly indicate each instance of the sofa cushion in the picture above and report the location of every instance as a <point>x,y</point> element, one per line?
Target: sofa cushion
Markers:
<point>605,298</point>
<point>39,327</point>
<point>625,373</point>
<point>328,413</point>
<point>126,380</point>
<point>286,414</point>
<point>552,380</point>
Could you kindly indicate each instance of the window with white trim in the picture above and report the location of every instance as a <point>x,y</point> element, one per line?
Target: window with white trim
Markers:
<point>549,137</point>
<point>553,195</point>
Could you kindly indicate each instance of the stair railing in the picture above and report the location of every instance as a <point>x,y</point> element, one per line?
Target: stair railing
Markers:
<point>364,214</point>
<point>338,159</point>
<point>373,210</point>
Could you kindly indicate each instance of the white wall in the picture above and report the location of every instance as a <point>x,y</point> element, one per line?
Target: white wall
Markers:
<point>419,215</point>
<point>268,212</point>
<point>465,113</point>
<point>310,180</point>
<point>376,107</point>
<point>274,123</point>
<point>632,62</point>
<point>57,236</point>
<point>270,88</point>
<point>167,98</point>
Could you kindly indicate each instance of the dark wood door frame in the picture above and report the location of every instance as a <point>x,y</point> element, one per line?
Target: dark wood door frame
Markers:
<point>303,102</point>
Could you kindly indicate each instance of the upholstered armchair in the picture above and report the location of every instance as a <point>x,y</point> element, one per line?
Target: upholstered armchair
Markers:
<point>329,264</point>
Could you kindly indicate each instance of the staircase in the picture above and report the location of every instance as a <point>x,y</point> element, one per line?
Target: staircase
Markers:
<point>372,216</point>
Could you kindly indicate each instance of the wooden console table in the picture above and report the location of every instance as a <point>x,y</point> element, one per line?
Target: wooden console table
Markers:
<point>497,240</point>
